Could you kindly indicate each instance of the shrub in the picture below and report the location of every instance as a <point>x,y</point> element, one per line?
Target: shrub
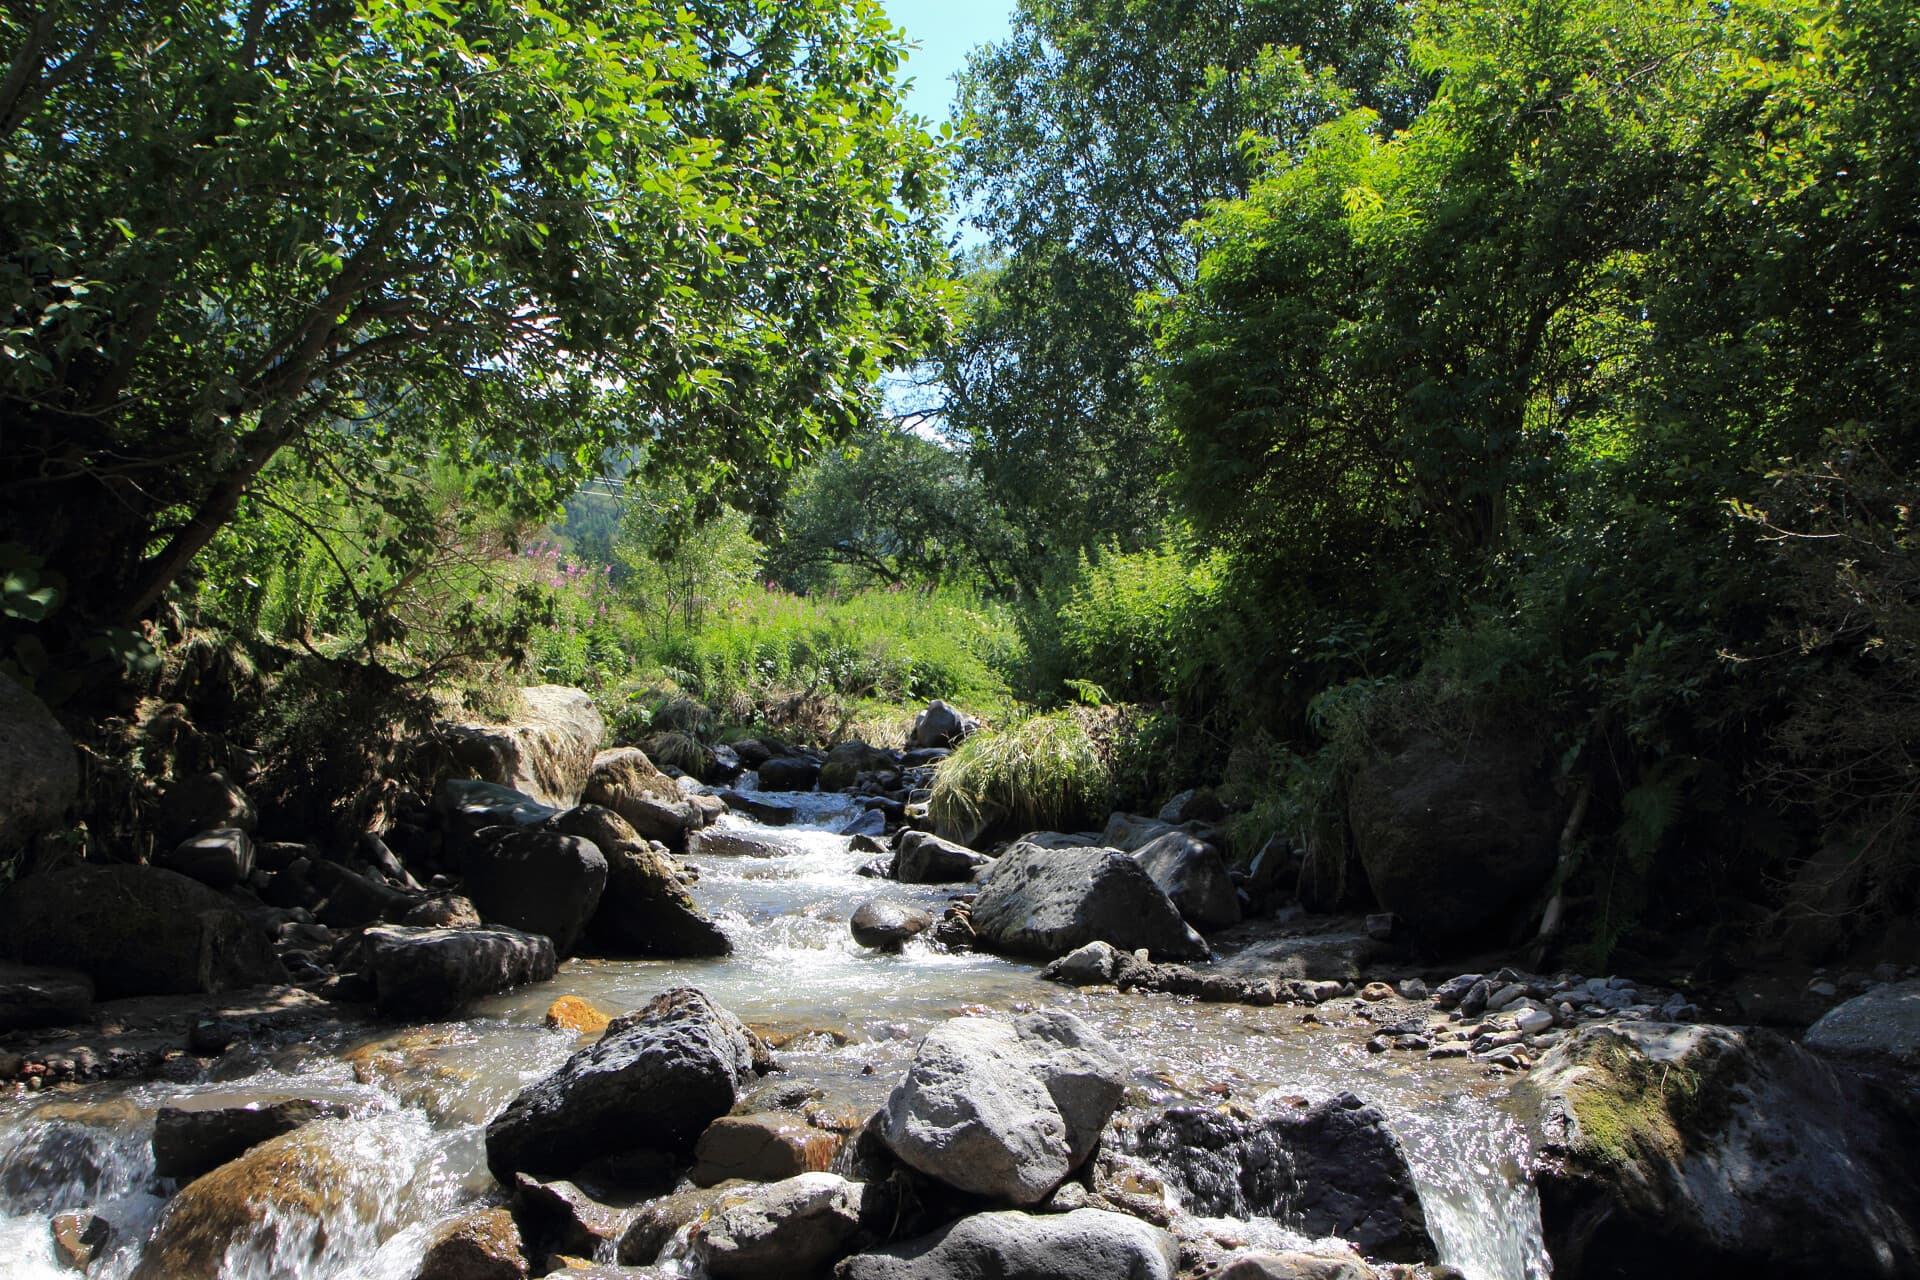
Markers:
<point>1042,772</point>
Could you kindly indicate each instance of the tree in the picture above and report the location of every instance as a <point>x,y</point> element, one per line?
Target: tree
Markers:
<point>515,237</point>
<point>1093,135</point>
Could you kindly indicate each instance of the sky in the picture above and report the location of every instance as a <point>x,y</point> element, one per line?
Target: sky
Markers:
<point>945,31</point>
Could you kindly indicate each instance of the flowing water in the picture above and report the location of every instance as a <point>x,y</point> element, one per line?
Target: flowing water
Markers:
<point>846,1018</point>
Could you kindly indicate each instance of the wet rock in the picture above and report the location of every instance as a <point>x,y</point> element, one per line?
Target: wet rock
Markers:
<point>1191,873</point>
<point>273,1197</point>
<point>31,997</point>
<point>560,1217</point>
<point>730,843</point>
<point>652,1083</point>
<point>220,858</point>
<point>571,1013</point>
<point>940,725</point>
<point>203,1134</point>
<point>1047,902</point>
<point>662,1219</point>
<point>1087,1244</point>
<point>1883,1024</point>
<point>1091,965</point>
<point>921,857</point>
<point>536,881</point>
<point>848,760</point>
<point>888,926</point>
<point>647,911</point>
<point>1292,1266</point>
<point>434,973</point>
<point>1336,952</point>
<point>1005,1110</point>
<point>134,930</point>
<point>203,802</point>
<point>1666,1149</point>
<point>766,811</point>
<point>870,822</point>
<point>39,767</point>
<point>761,1148</point>
<point>783,1229</point>
<point>481,1244</point>
<point>626,781</point>
<point>789,773</point>
<point>80,1237</point>
<point>1331,1168</point>
<point>545,751</point>
<point>1454,835</point>
<point>449,911</point>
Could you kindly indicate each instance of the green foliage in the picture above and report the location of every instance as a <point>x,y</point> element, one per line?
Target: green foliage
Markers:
<point>513,236</point>
<point>1135,624</point>
<point>1043,772</point>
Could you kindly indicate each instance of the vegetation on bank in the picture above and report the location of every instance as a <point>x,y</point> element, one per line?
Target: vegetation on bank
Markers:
<point>1325,376</point>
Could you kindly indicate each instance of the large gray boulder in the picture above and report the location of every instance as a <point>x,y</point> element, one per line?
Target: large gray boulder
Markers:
<point>545,750</point>
<point>1087,1244</point>
<point>1047,902</point>
<point>780,1229</point>
<point>653,1081</point>
<point>539,881</point>
<point>626,781</point>
<point>39,767</point>
<point>136,931</point>
<point>1664,1149</point>
<point>1330,1168</point>
<point>1456,836</point>
<point>423,972</point>
<point>1004,1109</point>
<point>1882,1024</point>
<point>920,857</point>
<point>1193,875</point>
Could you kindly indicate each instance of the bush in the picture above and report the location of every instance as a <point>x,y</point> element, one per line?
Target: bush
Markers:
<point>1039,773</point>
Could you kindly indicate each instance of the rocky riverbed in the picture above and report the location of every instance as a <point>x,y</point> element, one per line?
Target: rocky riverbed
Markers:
<point>858,1049</point>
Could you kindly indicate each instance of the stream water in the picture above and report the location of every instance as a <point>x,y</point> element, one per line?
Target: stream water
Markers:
<point>848,1019</point>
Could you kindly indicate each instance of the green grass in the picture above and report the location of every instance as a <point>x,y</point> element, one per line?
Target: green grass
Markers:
<point>1038,773</point>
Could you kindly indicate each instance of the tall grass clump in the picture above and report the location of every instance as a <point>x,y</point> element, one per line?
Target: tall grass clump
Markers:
<point>1043,772</point>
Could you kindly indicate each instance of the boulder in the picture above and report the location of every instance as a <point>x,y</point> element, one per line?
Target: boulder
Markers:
<point>1882,1024</point>
<point>538,881</point>
<point>626,781</point>
<point>1086,1244</point>
<point>1703,1150</point>
<point>448,911</point>
<point>1128,832</point>
<point>1004,1109</point>
<point>888,926</point>
<point>789,773</point>
<point>1047,902</point>
<point>560,1216</point>
<point>848,760</point>
<point>39,767</point>
<point>546,751</point>
<point>480,1244</point>
<point>1292,1265</point>
<point>763,1147</point>
<point>202,1133</point>
<point>779,1230</point>
<point>1194,876</point>
<point>203,802</point>
<point>760,810</point>
<point>1193,805</point>
<point>652,1083</point>
<point>663,1220</point>
<point>31,997</point>
<point>646,911</point>
<point>134,930</point>
<point>940,725</point>
<point>868,822</point>
<point>434,973</point>
<point>62,1153</point>
<point>730,842</point>
<point>313,1193</point>
<point>1455,836</point>
<point>921,857</point>
<point>467,807</point>
<point>1329,1168</point>
<point>219,858</point>
<point>1091,965</point>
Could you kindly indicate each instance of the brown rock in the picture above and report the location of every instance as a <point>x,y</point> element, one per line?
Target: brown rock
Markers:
<point>483,1244</point>
<point>762,1148</point>
<point>79,1237</point>
<point>203,1135</point>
